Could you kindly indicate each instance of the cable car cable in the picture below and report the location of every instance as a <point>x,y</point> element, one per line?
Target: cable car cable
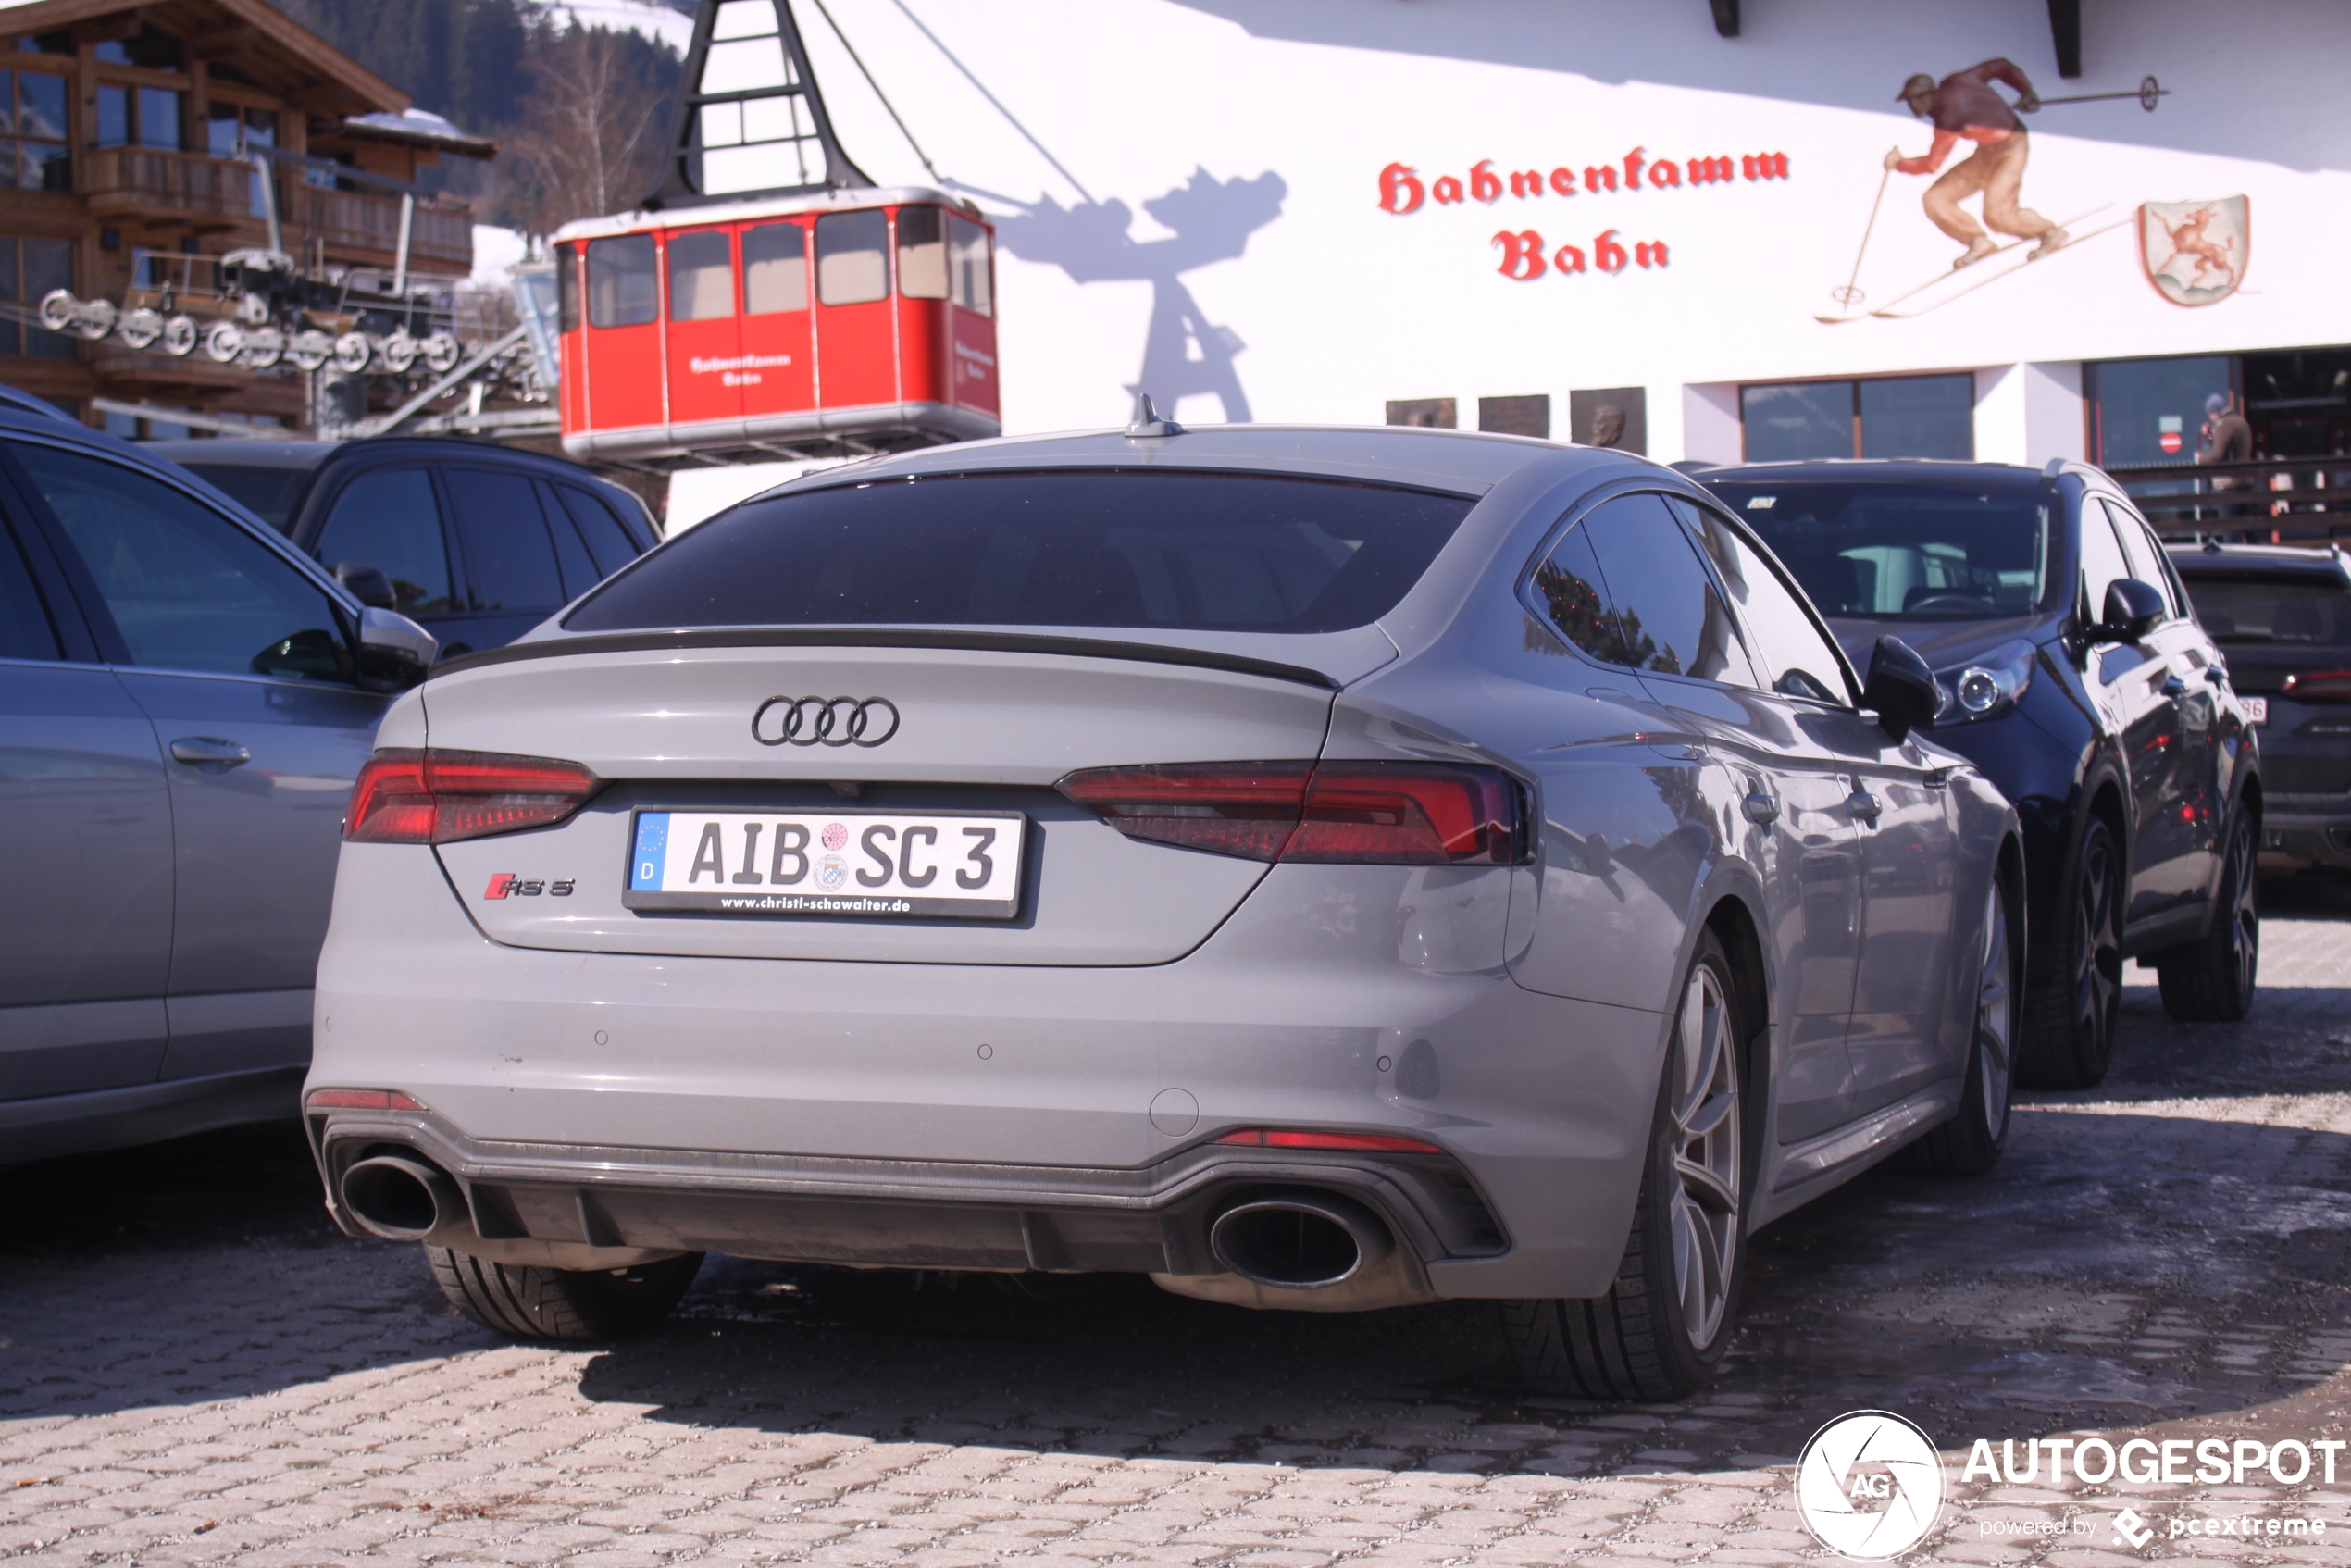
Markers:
<point>1010,118</point>
<point>854,59</point>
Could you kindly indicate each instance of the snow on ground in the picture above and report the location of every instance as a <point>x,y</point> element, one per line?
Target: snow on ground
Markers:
<point>648,16</point>
<point>495,252</point>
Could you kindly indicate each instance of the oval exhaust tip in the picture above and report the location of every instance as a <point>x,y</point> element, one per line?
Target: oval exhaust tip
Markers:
<point>1301,1242</point>
<point>397,1198</point>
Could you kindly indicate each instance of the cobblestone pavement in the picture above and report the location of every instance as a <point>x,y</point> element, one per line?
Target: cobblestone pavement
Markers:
<point>195,1368</point>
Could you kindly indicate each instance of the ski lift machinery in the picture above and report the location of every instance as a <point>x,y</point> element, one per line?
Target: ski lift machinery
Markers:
<point>768,301</point>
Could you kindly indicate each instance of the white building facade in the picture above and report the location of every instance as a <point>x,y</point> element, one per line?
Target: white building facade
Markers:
<point>1538,210</point>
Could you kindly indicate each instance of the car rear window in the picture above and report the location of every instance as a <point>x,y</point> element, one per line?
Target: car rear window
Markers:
<point>2240,609</point>
<point>271,494</point>
<point>1095,548</point>
<point>1904,551</point>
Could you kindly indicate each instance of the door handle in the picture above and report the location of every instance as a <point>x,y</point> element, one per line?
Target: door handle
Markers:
<point>1761,808</point>
<point>201,751</point>
<point>1863,804</point>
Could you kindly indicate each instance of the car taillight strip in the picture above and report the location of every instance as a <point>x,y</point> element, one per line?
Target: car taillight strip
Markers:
<point>410,796</point>
<point>1340,813</point>
<point>1286,1138</point>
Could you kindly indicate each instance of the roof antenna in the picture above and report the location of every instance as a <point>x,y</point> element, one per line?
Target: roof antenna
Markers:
<point>1148,422</point>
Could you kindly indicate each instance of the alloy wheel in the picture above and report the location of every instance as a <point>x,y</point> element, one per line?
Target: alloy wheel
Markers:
<point>2244,912</point>
<point>1995,1018</point>
<point>2097,952</point>
<point>1707,1172</point>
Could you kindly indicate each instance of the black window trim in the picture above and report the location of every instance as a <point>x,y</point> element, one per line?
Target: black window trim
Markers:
<point>52,580</point>
<point>441,477</point>
<point>112,648</point>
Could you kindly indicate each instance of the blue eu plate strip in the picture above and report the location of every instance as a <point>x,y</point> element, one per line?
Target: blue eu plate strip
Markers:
<point>653,848</point>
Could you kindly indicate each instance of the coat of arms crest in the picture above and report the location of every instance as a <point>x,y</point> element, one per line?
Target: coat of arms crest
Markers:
<point>2195,253</point>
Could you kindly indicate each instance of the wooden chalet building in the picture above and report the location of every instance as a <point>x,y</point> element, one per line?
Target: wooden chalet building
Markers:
<point>120,128</point>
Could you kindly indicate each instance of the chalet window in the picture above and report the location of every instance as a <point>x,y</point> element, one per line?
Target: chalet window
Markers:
<point>229,129</point>
<point>30,268</point>
<point>139,116</point>
<point>32,115</point>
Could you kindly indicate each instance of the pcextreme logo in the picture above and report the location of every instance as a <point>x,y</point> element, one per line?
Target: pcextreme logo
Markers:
<point>1869,1484</point>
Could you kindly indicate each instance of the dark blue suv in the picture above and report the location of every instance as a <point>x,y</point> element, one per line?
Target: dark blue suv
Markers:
<point>2073,672</point>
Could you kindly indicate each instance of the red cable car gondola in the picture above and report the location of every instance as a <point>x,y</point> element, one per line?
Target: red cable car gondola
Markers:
<point>738,316</point>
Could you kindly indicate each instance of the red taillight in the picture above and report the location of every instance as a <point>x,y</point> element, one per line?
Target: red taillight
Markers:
<point>433,797</point>
<point>1274,1137</point>
<point>1348,813</point>
<point>2320,685</point>
<point>361,1099</point>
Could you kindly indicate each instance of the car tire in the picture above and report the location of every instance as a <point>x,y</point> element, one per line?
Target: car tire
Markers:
<point>1969,1143</point>
<point>2212,980</point>
<point>548,1303</point>
<point>2071,1017</point>
<point>1660,1330</point>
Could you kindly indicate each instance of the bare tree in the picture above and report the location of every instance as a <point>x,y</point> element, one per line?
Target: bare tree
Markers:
<point>592,135</point>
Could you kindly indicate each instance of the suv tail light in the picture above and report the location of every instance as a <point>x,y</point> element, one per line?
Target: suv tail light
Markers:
<point>1332,812</point>
<point>432,797</point>
<point>2320,685</point>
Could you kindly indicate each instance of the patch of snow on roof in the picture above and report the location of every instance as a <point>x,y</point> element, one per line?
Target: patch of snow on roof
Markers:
<point>413,122</point>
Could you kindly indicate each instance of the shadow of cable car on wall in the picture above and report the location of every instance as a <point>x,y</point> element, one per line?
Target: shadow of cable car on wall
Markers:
<point>1183,354</point>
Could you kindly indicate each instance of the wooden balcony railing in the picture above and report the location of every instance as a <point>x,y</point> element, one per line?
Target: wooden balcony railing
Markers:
<point>2287,499</point>
<point>148,181</point>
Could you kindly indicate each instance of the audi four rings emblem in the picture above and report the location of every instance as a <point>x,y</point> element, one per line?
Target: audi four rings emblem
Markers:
<point>823,721</point>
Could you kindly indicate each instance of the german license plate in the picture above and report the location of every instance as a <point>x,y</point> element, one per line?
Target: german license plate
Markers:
<point>964,866</point>
<point>2256,709</point>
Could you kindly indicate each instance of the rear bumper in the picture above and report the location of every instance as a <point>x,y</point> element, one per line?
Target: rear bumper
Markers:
<point>987,1116</point>
<point>2312,830</point>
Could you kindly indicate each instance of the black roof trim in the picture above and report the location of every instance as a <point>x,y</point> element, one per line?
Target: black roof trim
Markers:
<point>881,637</point>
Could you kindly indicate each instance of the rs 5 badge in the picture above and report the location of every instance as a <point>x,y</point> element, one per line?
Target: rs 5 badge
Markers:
<point>507,884</point>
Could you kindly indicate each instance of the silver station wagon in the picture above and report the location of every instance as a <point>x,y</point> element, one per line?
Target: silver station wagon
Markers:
<point>1321,870</point>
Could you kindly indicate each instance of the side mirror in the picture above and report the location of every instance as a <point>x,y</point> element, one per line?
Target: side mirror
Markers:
<point>1900,687</point>
<point>395,651</point>
<point>368,584</point>
<point>2130,610</point>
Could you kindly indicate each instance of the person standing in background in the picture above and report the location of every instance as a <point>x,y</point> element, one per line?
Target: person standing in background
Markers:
<point>2227,437</point>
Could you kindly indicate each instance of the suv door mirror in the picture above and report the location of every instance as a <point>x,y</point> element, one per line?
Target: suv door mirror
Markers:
<point>2132,610</point>
<point>1900,687</point>
<point>395,651</point>
<point>369,585</point>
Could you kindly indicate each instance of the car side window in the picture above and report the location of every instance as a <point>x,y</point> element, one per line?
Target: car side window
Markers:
<point>1568,582</point>
<point>187,587</point>
<point>26,631</point>
<point>1670,618</point>
<point>388,518</point>
<point>2103,562</point>
<point>578,566</point>
<point>2145,555</point>
<point>510,563</point>
<point>1793,657</point>
<point>607,541</point>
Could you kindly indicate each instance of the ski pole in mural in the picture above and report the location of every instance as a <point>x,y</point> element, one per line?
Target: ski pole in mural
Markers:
<point>1965,107</point>
<point>1183,354</point>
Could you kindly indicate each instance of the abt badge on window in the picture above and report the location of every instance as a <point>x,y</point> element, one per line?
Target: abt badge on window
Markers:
<point>506,885</point>
<point>964,866</point>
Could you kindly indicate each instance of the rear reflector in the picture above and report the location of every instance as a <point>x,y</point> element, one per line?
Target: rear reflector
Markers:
<point>433,797</point>
<point>2320,685</point>
<point>361,1099</point>
<point>1273,1137</point>
<point>1331,812</point>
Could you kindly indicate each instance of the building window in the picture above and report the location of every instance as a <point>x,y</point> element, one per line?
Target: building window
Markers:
<point>1882,416</point>
<point>2145,413</point>
<point>151,48</point>
<point>139,116</point>
<point>30,268</point>
<point>37,158</point>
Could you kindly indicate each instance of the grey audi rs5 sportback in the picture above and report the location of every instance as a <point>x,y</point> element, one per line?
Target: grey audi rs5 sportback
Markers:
<point>1318,868</point>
